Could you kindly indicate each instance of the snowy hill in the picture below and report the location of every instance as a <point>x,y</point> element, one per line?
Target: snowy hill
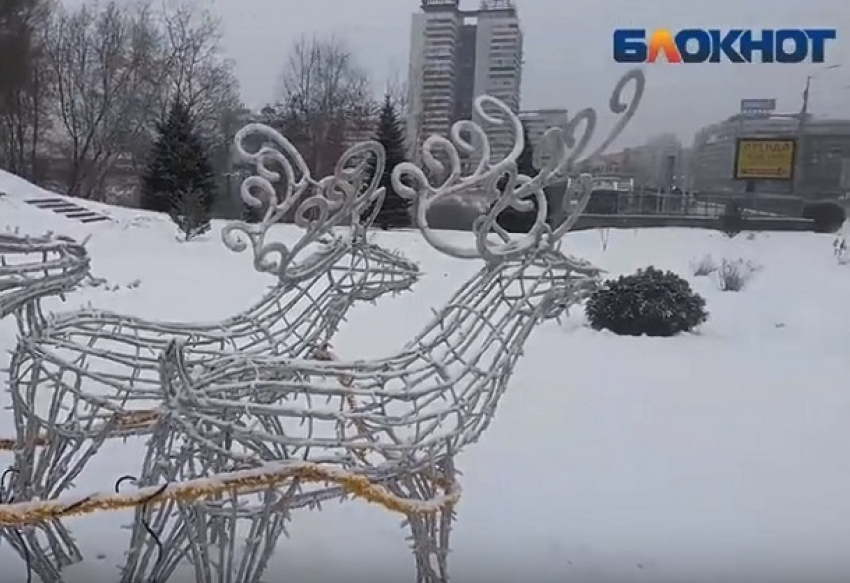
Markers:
<point>717,456</point>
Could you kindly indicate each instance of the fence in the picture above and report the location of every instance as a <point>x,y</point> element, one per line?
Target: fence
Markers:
<point>621,209</point>
<point>613,202</point>
<point>750,223</point>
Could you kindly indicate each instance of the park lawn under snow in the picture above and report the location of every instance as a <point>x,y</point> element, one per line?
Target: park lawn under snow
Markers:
<point>715,456</point>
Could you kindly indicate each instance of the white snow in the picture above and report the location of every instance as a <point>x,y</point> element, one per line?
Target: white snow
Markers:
<point>716,456</point>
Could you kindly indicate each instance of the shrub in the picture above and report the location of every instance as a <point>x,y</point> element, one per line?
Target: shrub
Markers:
<point>703,266</point>
<point>732,220</point>
<point>190,213</point>
<point>841,250</point>
<point>828,216</point>
<point>733,275</point>
<point>650,301</point>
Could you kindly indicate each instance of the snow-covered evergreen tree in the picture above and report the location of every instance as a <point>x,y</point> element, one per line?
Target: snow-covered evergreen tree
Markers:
<point>190,214</point>
<point>395,211</point>
<point>179,164</point>
<point>510,219</point>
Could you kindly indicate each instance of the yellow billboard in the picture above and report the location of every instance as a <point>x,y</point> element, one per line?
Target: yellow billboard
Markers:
<point>765,159</point>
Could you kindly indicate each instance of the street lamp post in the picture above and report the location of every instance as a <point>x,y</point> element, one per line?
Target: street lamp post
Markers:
<point>799,164</point>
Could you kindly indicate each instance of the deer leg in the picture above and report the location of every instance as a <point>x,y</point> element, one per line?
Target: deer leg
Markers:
<point>44,558</point>
<point>430,541</point>
<point>232,538</point>
<point>429,533</point>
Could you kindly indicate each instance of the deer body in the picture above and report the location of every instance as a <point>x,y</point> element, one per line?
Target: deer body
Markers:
<point>288,320</point>
<point>461,363</point>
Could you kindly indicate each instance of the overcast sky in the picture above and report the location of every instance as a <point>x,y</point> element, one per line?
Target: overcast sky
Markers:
<point>568,60</point>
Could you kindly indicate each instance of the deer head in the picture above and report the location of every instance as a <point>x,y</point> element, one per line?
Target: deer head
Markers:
<point>36,267</point>
<point>544,277</point>
<point>284,188</point>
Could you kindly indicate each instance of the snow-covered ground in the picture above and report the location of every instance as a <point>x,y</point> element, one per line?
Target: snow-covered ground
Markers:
<point>720,456</point>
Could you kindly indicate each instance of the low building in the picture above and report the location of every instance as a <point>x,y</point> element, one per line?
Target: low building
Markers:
<point>659,164</point>
<point>823,151</point>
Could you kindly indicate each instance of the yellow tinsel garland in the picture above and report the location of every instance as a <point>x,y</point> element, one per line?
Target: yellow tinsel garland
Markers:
<point>269,476</point>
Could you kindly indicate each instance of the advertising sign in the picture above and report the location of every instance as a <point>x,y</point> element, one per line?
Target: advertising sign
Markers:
<point>765,159</point>
<point>758,105</point>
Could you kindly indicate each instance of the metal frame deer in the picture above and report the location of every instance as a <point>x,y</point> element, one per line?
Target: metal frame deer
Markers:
<point>397,421</point>
<point>32,268</point>
<point>89,375</point>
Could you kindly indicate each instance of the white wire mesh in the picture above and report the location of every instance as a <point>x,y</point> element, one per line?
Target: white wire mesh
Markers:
<point>32,268</point>
<point>37,267</point>
<point>397,420</point>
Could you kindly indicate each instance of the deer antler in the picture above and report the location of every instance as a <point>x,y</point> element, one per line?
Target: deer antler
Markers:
<point>520,189</point>
<point>566,148</point>
<point>317,205</point>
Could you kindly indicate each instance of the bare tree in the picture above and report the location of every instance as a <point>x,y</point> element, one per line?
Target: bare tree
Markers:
<point>105,78</point>
<point>196,71</point>
<point>24,85</point>
<point>397,89</point>
<point>116,69</point>
<point>324,93</point>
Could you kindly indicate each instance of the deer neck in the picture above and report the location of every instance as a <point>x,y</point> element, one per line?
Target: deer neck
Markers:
<point>461,361</point>
<point>487,306</point>
<point>292,319</point>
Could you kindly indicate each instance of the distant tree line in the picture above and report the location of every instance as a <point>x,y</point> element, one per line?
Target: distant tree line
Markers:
<point>144,91</point>
<point>90,85</point>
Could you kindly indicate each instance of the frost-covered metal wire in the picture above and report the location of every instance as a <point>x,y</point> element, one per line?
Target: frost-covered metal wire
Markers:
<point>84,376</point>
<point>32,268</point>
<point>37,267</point>
<point>399,420</point>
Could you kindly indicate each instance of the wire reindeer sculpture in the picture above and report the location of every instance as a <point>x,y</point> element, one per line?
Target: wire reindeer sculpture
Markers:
<point>90,375</point>
<point>32,268</point>
<point>397,421</point>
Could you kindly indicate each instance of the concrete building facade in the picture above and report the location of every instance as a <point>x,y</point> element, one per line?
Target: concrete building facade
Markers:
<point>457,55</point>
<point>823,151</point>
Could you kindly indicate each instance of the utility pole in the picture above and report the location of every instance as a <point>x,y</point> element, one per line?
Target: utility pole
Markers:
<point>801,124</point>
<point>799,164</point>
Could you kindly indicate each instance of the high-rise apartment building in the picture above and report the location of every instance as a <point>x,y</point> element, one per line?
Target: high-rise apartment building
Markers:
<point>498,65</point>
<point>457,55</point>
<point>433,69</point>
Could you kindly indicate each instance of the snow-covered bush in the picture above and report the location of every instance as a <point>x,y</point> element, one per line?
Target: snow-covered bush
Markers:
<point>703,266</point>
<point>842,250</point>
<point>604,236</point>
<point>733,275</point>
<point>651,302</point>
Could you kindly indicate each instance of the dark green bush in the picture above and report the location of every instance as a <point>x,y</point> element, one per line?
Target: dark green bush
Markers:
<point>732,219</point>
<point>651,302</point>
<point>828,216</point>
